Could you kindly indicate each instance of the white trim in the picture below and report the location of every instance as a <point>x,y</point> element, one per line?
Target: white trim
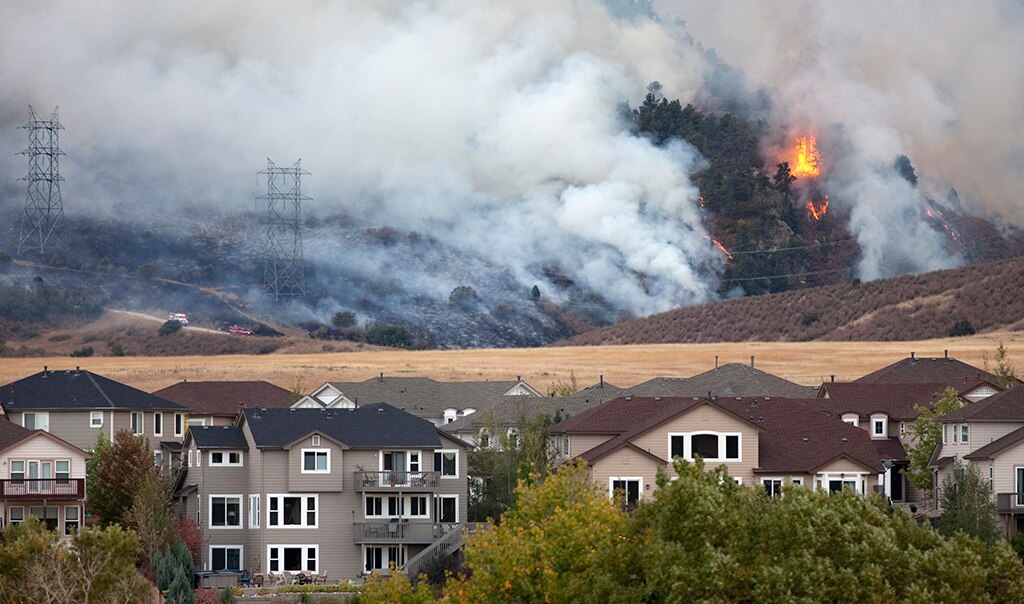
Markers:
<point>226,526</point>
<point>254,511</point>
<point>40,420</point>
<point>442,452</point>
<point>879,419</point>
<point>722,445</point>
<point>316,452</point>
<point>280,497</point>
<point>179,425</point>
<point>225,454</point>
<point>142,423</point>
<point>241,556</point>
<point>385,557</point>
<point>158,414</point>
<point>427,501</point>
<point>437,506</point>
<point>305,559</point>
<point>315,440</point>
<point>639,480</point>
<point>77,522</point>
<point>92,417</point>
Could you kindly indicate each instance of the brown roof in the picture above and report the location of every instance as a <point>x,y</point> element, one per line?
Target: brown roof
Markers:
<point>897,400</point>
<point>1005,406</point>
<point>929,370</point>
<point>225,398</point>
<point>11,433</point>
<point>509,410</point>
<point>733,379</point>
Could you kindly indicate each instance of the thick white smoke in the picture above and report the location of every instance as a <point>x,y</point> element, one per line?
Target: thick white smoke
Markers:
<point>937,81</point>
<point>491,126</point>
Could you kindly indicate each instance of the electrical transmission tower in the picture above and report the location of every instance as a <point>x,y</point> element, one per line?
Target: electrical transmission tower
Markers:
<point>44,210</point>
<point>284,268</point>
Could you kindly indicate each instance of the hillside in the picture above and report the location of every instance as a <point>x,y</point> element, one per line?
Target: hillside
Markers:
<point>903,308</point>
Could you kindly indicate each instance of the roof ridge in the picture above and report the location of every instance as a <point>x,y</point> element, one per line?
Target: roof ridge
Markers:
<point>99,389</point>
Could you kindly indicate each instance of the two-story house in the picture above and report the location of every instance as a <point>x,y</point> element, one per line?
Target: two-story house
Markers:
<point>40,476</point>
<point>218,403</point>
<point>344,491</point>
<point>761,441</point>
<point>78,405</point>
<point>971,382</point>
<point>728,380</point>
<point>440,402</point>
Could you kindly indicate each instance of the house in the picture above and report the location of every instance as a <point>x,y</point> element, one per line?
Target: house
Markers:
<point>972,383</point>
<point>41,476</point>
<point>439,402</point>
<point>988,434</point>
<point>218,403</point>
<point>77,405</point>
<point>762,441</point>
<point>345,491</point>
<point>730,380</point>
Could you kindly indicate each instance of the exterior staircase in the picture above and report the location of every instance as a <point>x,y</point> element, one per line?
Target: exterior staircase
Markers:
<point>444,546</point>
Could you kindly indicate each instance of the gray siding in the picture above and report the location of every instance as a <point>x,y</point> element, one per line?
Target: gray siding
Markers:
<point>73,426</point>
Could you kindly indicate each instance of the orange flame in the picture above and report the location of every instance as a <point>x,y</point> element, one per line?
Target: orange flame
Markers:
<point>722,247</point>
<point>818,210</point>
<point>807,158</point>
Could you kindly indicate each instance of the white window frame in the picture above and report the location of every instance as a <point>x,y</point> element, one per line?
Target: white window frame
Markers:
<point>241,555</point>
<point>945,433</point>
<point>380,499</point>
<point>903,428</point>
<point>305,556</point>
<point>565,445</point>
<point>93,416</point>
<point>385,557</point>
<point>77,522</point>
<point>158,423</point>
<point>315,440</point>
<point>858,478</point>
<point>56,472</point>
<point>142,423</point>
<point>964,434</point>
<point>179,425</point>
<point>241,512</point>
<point>427,501</point>
<point>638,479</point>
<point>852,419</point>
<point>10,514</point>
<point>158,457</point>
<point>440,472</point>
<point>190,458</point>
<point>437,506</point>
<point>776,492</point>
<point>201,421</point>
<point>226,455</point>
<point>254,511</point>
<point>879,421</point>
<point>722,440</point>
<point>449,416</point>
<point>316,453</point>
<point>40,420</point>
<point>303,497</point>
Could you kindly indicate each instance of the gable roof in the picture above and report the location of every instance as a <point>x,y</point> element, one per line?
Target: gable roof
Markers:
<point>1005,406</point>
<point>225,397</point>
<point>613,445</point>
<point>931,370</point>
<point>423,396</point>
<point>997,446</point>
<point>369,426</point>
<point>11,433</point>
<point>77,389</point>
<point>896,400</point>
<point>507,411</point>
<point>730,380</point>
<point>218,437</point>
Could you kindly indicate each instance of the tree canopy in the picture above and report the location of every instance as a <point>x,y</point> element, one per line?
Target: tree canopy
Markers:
<point>925,435</point>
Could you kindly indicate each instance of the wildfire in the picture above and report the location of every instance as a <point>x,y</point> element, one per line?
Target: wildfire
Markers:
<point>818,210</point>
<point>722,247</point>
<point>807,158</point>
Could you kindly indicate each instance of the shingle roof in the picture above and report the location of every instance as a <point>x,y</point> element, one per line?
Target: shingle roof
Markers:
<point>930,370</point>
<point>74,389</point>
<point>369,426</point>
<point>225,397</point>
<point>508,410</point>
<point>1004,406</point>
<point>218,437</point>
<point>733,379</point>
<point>897,400</point>
<point>11,433</point>
<point>423,396</point>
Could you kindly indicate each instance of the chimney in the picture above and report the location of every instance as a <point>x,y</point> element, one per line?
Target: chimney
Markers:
<point>751,361</point>
<point>602,381</point>
<point>945,354</point>
<point>716,361</point>
<point>381,377</point>
<point>912,355</point>
<point>519,378</point>
<point>833,378</point>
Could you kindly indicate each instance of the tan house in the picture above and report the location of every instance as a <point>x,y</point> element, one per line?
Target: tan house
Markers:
<point>40,476</point>
<point>344,491</point>
<point>761,441</point>
<point>78,405</point>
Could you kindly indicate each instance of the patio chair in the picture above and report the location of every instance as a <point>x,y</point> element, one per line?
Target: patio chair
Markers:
<point>320,579</point>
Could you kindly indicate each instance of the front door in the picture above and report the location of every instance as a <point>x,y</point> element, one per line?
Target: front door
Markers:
<point>39,475</point>
<point>897,478</point>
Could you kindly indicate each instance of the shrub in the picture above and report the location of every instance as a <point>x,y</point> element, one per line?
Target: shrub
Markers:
<point>168,328</point>
<point>86,351</point>
<point>343,318</point>
<point>60,338</point>
<point>462,295</point>
<point>382,334</point>
<point>962,327</point>
<point>809,319</point>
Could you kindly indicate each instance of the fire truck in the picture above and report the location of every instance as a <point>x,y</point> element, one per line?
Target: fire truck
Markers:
<point>238,330</point>
<point>180,317</point>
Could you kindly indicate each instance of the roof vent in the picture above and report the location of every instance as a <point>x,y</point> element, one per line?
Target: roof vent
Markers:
<point>912,358</point>
<point>629,398</point>
<point>657,398</point>
<point>945,354</point>
<point>804,439</point>
<point>291,409</point>
<point>751,361</point>
<point>845,439</point>
<point>380,409</point>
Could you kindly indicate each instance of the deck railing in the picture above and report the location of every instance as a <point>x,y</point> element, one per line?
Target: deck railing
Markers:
<point>395,481</point>
<point>1010,503</point>
<point>42,488</point>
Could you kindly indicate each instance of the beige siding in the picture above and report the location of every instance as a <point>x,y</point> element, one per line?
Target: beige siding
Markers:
<point>982,433</point>
<point>626,463</point>
<point>40,447</point>
<point>581,443</point>
<point>706,418</point>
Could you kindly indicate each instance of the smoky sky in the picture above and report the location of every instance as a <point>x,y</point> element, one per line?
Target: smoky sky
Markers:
<point>492,125</point>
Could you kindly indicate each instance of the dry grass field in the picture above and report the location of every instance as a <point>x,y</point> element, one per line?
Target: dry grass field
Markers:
<point>806,363</point>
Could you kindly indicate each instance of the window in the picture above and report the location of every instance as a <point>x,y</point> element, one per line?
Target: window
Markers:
<point>963,433</point>
<point>71,519</point>
<point>565,444</point>
<point>15,515</point>
<point>315,440</point>
<point>179,425</point>
<point>945,433</point>
<point>190,458</point>
<point>158,457</point>
<point>95,419</point>
<point>626,488</point>
<point>418,506</point>
<point>381,558</point>
<point>449,416</point>
<point>711,446</point>
<point>316,461</point>
<point>225,511</point>
<point>446,508</point>
<point>225,458</point>
<point>292,510</point>
<point>853,419</point>
<point>201,421</point>
<point>62,471</point>
<point>137,423</point>
<point>878,427</point>
<point>158,424</point>
<point>396,506</point>
<point>293,558</point>
<point>485,440</point>
<point>48,515</point>
<point>18,470</point>
<point>374,506</point>
<point>772,486</point>
<point>903,428</point>
<point>991,476</point>
<point>39,420</point>
<point>254,511</point>
<point>447,463</point>
<point>414,461</point>
<point>225,557</point>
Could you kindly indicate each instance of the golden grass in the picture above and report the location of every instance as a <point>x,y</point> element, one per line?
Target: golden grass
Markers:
<point>805,362</point>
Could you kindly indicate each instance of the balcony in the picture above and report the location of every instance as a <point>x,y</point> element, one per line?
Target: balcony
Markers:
<point>424,482</point>
<point>42,488</point>
<point>1010,503</point>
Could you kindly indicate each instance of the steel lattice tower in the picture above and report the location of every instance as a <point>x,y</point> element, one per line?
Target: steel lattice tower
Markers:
<point>284,268</point>
<point>44,210</point>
